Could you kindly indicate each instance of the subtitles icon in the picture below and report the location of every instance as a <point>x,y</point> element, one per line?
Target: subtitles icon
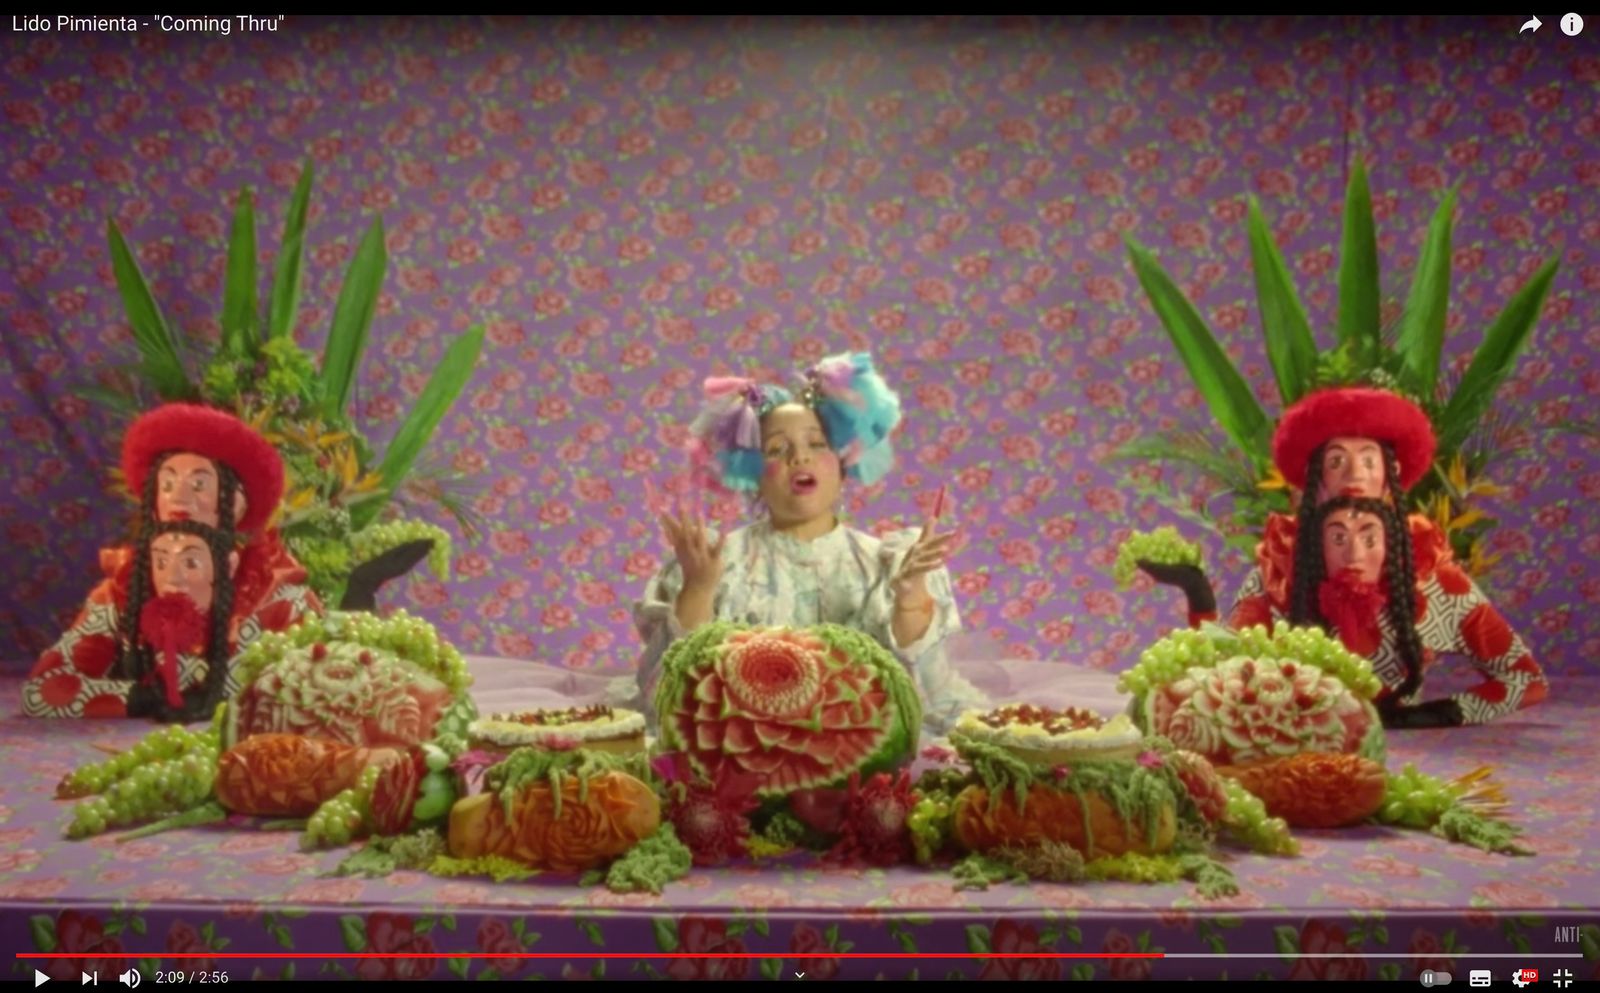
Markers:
<point>1479,977</point>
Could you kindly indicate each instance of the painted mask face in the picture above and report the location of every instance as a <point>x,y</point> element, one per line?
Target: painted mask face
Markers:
<point>181,563</point>
<point>187,488</point>
<point>1353,542</point>
<point>1352,467</point>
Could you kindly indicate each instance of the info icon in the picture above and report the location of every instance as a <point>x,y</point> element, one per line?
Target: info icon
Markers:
<point>1478,977</point>
<point>1571,24</point>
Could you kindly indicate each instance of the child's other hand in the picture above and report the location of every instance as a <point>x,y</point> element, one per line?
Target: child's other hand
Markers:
<point>698,557</point>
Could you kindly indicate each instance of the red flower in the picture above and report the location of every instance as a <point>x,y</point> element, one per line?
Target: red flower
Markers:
<point>704,935</point>
<point>395,933</point>
<point>1323,939</point>
<point>183,939</point>
<point>495,938</point>
<point>1013,938</point>
<point>1117,943</point>
<point>805,941</point>
<point>394,795</point>
<point>85,935</point>
<point>713,821</point>
<point>1428,953</point>
<point>873,829</point>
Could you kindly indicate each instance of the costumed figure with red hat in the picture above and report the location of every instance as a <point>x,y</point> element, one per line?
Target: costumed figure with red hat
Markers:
<point>206,576</point>
<point>1350,562</point>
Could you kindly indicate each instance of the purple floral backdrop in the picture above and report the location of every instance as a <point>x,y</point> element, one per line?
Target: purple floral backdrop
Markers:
<point>632,204</point>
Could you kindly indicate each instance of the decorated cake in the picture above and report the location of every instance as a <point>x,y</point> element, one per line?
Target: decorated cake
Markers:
<point>1044,736</point>
<point>597,728</point>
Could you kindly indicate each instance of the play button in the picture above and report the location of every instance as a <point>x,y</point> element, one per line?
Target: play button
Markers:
<point>39,978</point>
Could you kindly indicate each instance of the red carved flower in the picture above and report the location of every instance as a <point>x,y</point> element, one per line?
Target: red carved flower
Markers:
<point>713,821</point>
<point>873,829</point>
<point>394,795</point>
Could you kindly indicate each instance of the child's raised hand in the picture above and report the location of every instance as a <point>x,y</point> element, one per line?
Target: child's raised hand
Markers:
<point>929,553</point>
<point>698,557</point>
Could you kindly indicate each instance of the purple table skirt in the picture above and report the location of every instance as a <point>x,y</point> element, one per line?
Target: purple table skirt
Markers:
<point>1362,903</point>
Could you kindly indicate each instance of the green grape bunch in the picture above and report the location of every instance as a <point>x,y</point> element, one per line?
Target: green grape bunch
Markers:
<point>1164,546</point>
<point>1246,821</point>
<point>375,539</point>
<point>1415,799</point>
<point>169,771</point>
<point>344,818</point>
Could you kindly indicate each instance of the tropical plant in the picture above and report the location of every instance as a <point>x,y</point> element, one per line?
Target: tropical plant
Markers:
<point>341,503</point>
<point>1475,436</point>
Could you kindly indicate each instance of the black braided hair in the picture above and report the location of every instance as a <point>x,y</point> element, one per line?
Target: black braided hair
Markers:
<point>1399,577</point>
<point>1391,475</point>
<point>133,660</point>
<point>1307,554</point>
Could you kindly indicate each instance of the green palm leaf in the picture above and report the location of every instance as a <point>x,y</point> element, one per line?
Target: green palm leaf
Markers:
<point>1359,288</point>
<point>1192,448</point>
<point>1495,358</point>
<point>239,292</point>
<point>1422,327</point>
<point>1290,347</point>
<point>291,257</point>
<point>352,318</point>
<point>157,345</point>
<point>444,386</point>
<point>1225,391</point>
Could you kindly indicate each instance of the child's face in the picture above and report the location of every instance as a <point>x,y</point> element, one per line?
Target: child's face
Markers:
<point>800,475</point>
<point>181,563</point>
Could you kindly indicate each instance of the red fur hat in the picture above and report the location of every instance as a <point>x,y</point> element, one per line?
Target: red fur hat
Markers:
<point>220,437</point>
<point>1355,412</point>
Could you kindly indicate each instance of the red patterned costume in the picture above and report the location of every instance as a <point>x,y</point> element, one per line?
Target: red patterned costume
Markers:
<point>1338,445</point>
<point>1453,616</point>
<point>173,458</point>
<point>69,680</point>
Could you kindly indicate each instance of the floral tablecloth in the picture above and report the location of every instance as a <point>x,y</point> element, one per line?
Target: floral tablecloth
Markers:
<point>1365,903</point>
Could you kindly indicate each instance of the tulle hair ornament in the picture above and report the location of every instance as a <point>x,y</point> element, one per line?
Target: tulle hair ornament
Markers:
<point>858,411</point>
<point>725,439</point>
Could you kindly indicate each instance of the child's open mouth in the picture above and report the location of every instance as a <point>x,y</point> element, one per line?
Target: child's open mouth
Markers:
<point>802,483</point>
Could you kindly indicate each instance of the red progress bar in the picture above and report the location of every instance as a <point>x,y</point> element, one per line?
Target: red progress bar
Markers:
<point>589,955</point>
